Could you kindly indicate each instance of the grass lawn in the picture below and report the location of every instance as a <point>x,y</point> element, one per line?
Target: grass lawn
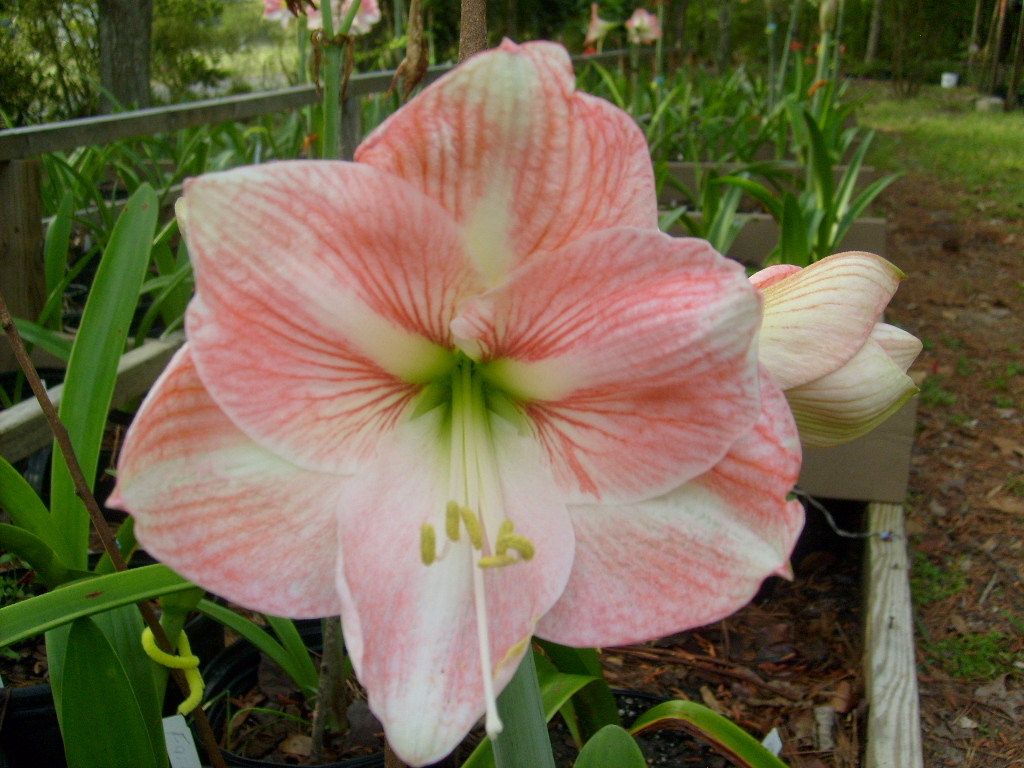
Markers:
<point>939,133</point>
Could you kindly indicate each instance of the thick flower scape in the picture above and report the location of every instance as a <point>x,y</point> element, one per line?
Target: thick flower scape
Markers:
<point>463,391</point>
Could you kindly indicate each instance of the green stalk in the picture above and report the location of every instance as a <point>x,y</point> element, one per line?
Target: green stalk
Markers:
<point>634,65</point>
<point>659,48</point>
<point>332,78</point>
<point>524,742</point>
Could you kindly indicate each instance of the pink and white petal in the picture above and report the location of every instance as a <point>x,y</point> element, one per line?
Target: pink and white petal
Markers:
<point>852,401</point>
<point>520,160</point>
<point>902,347</point>
<point>815,320</point>
<point>222,511</point>
<point>324,296</point>
<point>690,557</point>
<point>411,629</point>
<point>773,274</point>
<point>632,354</point>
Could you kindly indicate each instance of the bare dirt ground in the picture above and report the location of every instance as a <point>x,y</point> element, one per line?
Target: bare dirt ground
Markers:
<point>964,297</point>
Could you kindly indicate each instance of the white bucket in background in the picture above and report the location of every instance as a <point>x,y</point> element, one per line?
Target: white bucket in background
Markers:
<point>949,79</point>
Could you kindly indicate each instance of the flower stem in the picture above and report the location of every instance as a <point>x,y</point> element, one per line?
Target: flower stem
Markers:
<point>332,77</point>
<point>524,742</point>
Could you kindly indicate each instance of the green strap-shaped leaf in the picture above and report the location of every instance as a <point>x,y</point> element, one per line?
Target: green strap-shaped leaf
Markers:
<point>55,252</point>
<point>554,693</point>
<point>92,369</point>
<point>57,344</point>
<point>267,645</point>
<point>38,554</point>
<point>722,734</point>
<point>594,705</point>
<point>292,641</point>
<point>20,501</point>
<point>84,598</point>
<point>102,719</point>
<point>611,747</point>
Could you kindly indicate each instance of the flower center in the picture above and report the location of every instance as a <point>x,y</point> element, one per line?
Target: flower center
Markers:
<point>476,505</point>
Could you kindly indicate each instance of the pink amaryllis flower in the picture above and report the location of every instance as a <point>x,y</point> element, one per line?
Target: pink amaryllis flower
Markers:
<point>843,371</point>
<point>364,20</point>
<point>463,391</point>
<point>643,27</point>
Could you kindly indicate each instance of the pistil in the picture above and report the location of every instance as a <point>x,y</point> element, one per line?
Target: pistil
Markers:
<point>476,504</point>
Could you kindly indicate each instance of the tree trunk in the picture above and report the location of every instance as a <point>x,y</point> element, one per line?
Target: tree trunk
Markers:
<point>677,31</point>
<point>1018,64</point>
<point>996,44</point>
<point>972,44</point>
<point>724,34</point>
<point>990,71</point>
<point>124,31</point>
<point>874,32</point>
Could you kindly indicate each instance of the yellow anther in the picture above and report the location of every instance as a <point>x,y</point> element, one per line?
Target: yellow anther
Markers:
<point>473,527</point>
<point>451,520</point>
<point>508,539</point>
<point>428,544</point>
<point>520,544</point>
<point>496,561</point>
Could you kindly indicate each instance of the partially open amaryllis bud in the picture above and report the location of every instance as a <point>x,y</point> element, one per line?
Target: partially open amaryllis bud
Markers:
<point>598,28</point>
<point>843,371</point>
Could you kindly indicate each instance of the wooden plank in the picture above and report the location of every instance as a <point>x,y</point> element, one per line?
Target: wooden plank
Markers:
<point>21,244</point>
<point>875,467</point>
<point>894,721</point>
<point>23,427</point>
<point>32,141</point>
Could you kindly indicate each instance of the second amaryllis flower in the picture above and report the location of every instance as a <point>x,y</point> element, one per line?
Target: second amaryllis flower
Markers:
<point>843,371</point>
<point>463,391</point>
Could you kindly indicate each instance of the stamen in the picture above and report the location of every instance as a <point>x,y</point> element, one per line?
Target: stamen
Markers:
<point>451,520</point>
<point>520,544</point>
<point>496,561</point>
<point>428,544</point>
<point>474,528</point>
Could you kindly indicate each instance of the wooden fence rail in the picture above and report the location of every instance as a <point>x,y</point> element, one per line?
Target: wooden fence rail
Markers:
<point>31,141</point>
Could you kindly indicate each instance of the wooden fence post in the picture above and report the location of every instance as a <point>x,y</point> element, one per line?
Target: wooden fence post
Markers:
<point>22,279</point>
<point>351,121</point>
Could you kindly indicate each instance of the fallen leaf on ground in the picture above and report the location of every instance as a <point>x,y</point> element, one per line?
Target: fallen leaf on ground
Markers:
<point>298,744</point>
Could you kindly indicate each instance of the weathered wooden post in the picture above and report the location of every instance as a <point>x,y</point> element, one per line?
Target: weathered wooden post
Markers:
<point>22,279</point>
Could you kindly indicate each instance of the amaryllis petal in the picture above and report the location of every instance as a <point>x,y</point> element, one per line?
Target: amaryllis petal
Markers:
<point>520,160</point>
<point>689,557</point>
<point>901,347</point>
<point>818,318</point>
<point>224,512</point>
<point>629,351</point>
<point>412,629</point>
<point>316,317</point>
<point>851,401</point>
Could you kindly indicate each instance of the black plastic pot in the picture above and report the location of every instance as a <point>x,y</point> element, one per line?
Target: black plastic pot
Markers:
<point>29,733</point>
<point>234,671</point>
